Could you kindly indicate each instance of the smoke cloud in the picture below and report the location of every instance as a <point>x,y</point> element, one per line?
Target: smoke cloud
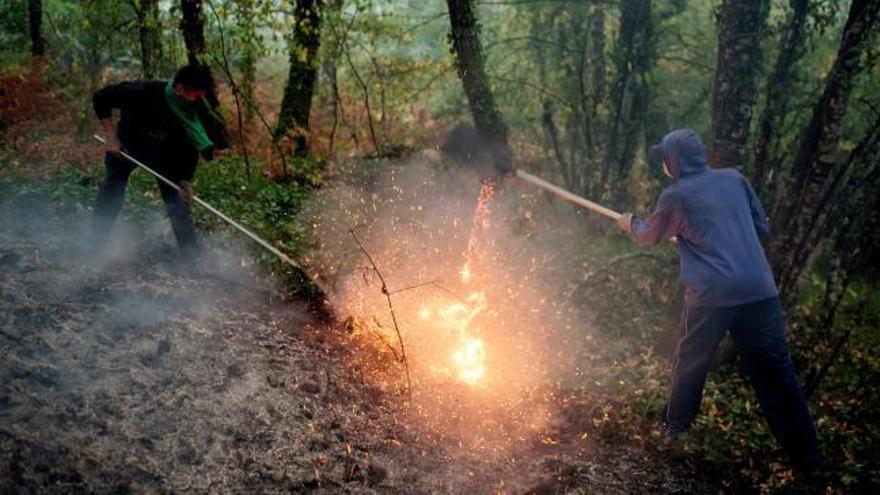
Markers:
<point>415,220</point>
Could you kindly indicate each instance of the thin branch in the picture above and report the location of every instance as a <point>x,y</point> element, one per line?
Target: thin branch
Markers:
<point>427,20</point>
<point>518,2</point>
<point>382,338</point>
<point>338,104</point>
<point>411,287</point>
<point>235,90</point>
<point>263,120</point>
<point>538,88</point>
<point>390,307</point>
<point>366,92</point>
<point>533,39</point>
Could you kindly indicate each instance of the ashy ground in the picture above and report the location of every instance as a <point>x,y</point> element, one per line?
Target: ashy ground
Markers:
<point>122,371</point>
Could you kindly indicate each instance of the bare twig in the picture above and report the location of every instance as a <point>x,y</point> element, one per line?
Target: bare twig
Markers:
<point>343,46</point>
<point>253,106</point>
<point>333,76</point>
<point>387,294</point>
<point>382,338</point>
<point>411,287</point>
<point>235,90</point>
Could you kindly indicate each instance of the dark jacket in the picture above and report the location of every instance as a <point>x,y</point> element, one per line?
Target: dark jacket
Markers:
<point>149,129</point>
<point>718,222</point>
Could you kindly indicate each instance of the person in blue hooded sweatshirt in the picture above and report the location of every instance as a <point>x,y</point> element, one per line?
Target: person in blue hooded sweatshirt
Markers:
<point>719,224</point>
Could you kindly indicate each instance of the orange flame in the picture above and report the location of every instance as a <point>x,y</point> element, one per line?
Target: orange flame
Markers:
<point>468,356</point>
<point>465,273</point>
<point>470,359</point>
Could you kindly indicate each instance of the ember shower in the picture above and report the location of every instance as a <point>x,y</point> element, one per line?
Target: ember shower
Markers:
<point>469,273</point>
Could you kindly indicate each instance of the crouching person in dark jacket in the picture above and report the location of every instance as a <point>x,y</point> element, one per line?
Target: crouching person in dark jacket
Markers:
<point>718,222</point>
<point>166,125</point>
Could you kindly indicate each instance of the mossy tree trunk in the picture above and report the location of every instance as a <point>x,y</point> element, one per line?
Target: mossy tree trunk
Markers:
<point>303,47</point>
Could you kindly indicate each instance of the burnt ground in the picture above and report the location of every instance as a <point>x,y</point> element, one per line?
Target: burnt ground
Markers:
<point>130,374</point>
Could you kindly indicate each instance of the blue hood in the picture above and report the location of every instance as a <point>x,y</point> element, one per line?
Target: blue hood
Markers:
<point>718,221</point>
<point>683,153</point>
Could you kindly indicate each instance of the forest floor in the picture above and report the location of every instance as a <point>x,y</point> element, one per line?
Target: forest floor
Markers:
<point>130,374</point>
<point>121,371</point>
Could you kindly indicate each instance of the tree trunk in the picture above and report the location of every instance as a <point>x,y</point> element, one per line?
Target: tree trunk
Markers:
<point>814,164</point>
<point>574,33</point>
<point>552,133</point>
<point>634,57</point>
<point>297,102</point>
<point>330,67</point>
<point>741,25</point>
<point>856,242</point>
<point>192,25</point>
<point>248,66</point>
<point>778,89</point>
<point>845,195</point>
<point>149,29</point>
<point>35,21</point>
<point>469,61</point>
<point>597,56</point>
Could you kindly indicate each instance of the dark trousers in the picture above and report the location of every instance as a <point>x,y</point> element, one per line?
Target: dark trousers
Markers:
<point>112,192</point>
<point>758,334</point>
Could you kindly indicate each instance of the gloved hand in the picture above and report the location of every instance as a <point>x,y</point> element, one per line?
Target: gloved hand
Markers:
<point>208,153</point>
<point>625,223</point>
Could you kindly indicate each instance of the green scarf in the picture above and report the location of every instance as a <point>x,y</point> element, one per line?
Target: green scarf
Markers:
<point>187,114</point>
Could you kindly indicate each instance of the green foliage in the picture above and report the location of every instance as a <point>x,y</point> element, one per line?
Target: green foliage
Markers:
<point>730,433</point>
<point>13,30</point>
<point>266,207</point>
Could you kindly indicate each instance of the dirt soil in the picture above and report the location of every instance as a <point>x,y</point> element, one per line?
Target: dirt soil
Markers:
<point>122,371</point>
<point>133,375</point>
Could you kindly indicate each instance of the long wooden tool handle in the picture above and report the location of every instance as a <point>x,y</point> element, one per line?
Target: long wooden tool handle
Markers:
<point>568,196</point>
<point>272,249</point>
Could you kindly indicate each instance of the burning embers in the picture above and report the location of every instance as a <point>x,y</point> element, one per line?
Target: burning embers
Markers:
<point>468,358</point>
<point>479,225</point>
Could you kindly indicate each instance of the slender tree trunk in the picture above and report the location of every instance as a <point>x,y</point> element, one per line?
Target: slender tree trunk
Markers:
<point>149,29</point>
<point>538,26</point>
<point>778,90</point>
<point>593,127</point>
<point>845,194</point>
<point>553,138</point>
<point>855,250</point>
<point>330,66</point>
<point>297,102</point>
<point>248,65</point>
<point>35,21</point>
<point>574,33</point>
<point>192,25</point>
<point>597,56</point>
<point>814,163</point>
<point>741,26</point>
<point>634,57</point>
<point>470,63</point>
